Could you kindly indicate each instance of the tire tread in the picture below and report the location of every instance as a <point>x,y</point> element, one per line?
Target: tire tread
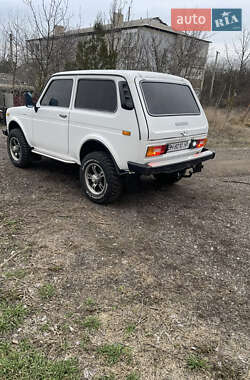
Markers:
<point>26,153</point>
<point>114,182</point>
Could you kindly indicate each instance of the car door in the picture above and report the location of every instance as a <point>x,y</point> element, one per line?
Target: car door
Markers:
<point>51,121</point>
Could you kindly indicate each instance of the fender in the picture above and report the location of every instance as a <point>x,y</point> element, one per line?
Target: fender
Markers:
<point>21,126</point>
<point>104,142</point>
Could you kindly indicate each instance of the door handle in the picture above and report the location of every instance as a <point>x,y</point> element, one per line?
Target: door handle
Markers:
<point>62,116</point>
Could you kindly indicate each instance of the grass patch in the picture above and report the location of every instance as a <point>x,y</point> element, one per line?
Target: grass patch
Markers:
<point>11,226</point>
<point>195,362</point>
<point>55,268</point>
<point>130,329</point>
<point>45,327</point>
<point>11,316</point>
<point>90,302</point>
<point>90,305</point>
<point>47,291</point>
<point>91,323</point>
<point>66,327</point>
<point>26,363</point>
<point>133,376</point>
<point>84,343</point>
<point>10,223</point>
<point>113,353</point>
<point>19,274</point>
<point>65,346</point>
<point>106,377</point>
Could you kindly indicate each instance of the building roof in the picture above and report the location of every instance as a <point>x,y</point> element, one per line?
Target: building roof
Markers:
<point>152,23</point>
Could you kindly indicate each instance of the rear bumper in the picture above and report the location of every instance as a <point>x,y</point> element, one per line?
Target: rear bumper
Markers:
<point>193,163</point>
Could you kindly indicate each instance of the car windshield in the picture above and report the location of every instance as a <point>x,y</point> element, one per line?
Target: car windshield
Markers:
<point>169,99</point>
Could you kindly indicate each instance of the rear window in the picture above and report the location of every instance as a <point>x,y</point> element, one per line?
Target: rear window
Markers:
<point>96,94</point>
<point>169,99</point>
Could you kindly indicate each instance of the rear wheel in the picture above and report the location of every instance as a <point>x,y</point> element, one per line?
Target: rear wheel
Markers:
<point>168,178</point>
<point>98,177</point>
<point>18,148</point>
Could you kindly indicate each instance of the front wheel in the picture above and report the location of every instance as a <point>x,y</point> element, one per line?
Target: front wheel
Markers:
<point>98,177</point>
<point>168,178</point>
<point>18,148</point>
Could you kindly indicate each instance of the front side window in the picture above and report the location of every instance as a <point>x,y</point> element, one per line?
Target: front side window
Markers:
<point>96,94</point>
<point>169,99</point>
<point>58,93</point>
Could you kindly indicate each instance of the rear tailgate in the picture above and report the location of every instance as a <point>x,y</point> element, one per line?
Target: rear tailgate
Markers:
<point>172,109</point>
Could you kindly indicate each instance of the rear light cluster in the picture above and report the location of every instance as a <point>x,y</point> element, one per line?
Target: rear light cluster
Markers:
<point>198,143</point>
<point>158,150</point>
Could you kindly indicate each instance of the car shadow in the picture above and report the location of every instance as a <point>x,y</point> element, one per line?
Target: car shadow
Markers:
<point>135,187</point>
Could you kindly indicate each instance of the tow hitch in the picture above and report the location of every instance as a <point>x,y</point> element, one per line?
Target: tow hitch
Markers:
<point>196,169</point>
<point>190,173</point>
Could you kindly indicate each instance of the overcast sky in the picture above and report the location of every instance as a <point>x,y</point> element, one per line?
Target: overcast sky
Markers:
<point>143,8</point>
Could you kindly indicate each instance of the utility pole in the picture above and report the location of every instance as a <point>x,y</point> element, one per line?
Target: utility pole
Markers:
<point>129,10</point>
<point>213,77</point>
<point>12,63</point>
<point>11,48</point>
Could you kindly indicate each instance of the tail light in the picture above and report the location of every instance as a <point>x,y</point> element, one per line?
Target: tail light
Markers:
<point>198,143</point>
<point>153,151</point>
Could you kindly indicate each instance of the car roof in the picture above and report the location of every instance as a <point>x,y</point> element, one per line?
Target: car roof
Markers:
<point>127,74</point>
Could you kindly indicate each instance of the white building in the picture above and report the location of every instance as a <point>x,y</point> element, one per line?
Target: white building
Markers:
<point>143,44</point>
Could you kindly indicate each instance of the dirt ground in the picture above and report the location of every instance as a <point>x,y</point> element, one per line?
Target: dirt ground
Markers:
<point>163,274</point>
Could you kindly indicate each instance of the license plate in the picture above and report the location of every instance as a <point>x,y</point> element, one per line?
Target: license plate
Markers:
<point>178,146</point>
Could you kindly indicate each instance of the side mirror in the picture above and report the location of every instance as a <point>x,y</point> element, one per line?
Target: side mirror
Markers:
<point>28,99</point>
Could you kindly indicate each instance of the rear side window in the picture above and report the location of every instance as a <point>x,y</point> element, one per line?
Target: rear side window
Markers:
<point>58,93</point>
<point>169,99</point>
<point>96,94</point>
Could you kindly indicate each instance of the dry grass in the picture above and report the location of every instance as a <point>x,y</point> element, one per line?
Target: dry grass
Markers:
<point>153,288</point>
<point>102,330</point>
<point>227,128</point>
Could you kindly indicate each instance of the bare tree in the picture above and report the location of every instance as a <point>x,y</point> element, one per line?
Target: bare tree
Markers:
<point>117,39</point>
<point>189,54</point>
<point>231,86</point>
<point>242,50</point>
<point>236,70</point>
<point>156,52</point>
<point>131,54</point>
<point>109,45</point>
<point>46,44</point>
<point>15,35</point>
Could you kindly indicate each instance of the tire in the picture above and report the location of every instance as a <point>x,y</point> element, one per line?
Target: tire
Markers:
<point>168,179</point>
<point>98,178</point>
<point>18,149</point>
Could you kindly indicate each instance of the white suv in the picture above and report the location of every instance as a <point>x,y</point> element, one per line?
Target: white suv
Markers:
<point>112,123</point>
